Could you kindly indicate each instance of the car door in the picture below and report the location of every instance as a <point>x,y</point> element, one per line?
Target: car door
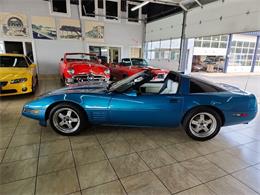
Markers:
<point>146,110</point>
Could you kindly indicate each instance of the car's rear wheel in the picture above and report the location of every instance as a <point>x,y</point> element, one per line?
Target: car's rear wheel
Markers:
<point>67,119</point>
<point>202,123</point>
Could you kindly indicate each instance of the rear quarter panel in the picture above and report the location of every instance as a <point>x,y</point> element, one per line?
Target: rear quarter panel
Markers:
<point>226,102</point>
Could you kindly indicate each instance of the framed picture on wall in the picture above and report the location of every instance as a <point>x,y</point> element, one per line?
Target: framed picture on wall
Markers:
<point>94,31</point>
<point>69,29</point>
<point>14,24</point>
<point>43,28</point>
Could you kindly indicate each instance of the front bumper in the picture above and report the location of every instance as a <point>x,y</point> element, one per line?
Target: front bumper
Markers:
<point>85,78</point>
<point>8,89</point>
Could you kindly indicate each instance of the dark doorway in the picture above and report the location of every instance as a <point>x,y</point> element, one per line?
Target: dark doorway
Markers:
<point>14,47</point>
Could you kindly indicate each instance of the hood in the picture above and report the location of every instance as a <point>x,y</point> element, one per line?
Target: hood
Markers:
<point>86,68</point>
<point>90,87</point>
<point>7,74</point>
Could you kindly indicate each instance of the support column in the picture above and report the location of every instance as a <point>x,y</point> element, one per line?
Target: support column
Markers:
<point>255,53</point>
<point>228,53</point>
<point>183,45</point>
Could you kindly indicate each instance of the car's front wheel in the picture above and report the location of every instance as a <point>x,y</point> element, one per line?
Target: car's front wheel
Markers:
<point>202,123</point>
<point>67,119</point>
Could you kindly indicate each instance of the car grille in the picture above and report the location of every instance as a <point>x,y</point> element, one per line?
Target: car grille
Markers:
<point>3,83</point>
<point>89,77</point>
<point>8,91</point>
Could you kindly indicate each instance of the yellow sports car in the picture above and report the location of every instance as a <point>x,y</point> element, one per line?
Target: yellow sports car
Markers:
<point>18,75</point>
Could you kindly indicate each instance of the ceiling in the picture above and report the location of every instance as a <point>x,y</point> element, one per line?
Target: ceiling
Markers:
<point>158,8</point>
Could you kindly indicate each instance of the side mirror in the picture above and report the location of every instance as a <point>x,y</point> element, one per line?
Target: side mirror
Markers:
<point>132,93</point>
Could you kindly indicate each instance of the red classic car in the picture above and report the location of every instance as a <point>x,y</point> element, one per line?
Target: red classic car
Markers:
<point>130,66</point>
<point>82,67</point>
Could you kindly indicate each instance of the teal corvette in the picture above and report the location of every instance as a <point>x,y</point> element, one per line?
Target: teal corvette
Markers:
<point>200,107</point>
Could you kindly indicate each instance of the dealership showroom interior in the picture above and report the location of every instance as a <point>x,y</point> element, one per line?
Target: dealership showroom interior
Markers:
<point>138,97</point>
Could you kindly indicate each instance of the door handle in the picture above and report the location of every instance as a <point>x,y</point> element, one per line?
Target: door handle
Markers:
<point>174,100</point>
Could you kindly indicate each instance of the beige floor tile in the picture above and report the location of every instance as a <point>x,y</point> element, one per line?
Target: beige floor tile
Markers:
<point>142,144</point>
<point>204,148</point>
<point>95,174</point>
<point>89,155</point>
<point>255,146</point>
<point>229,185</point>
<point>257,166</point>
<point>17,170</point>
<point>55,162</point>
<point>109,136</point>
<point>176,178</point>
<point>161,138</point>
<point>198,190</point>
<point>49,134</point>
<point>4,141</point>
<point>227,161</point>
<point>156,158</point>
<point>249,156</point>
<point>111,188</point>
<point>203,169</point>
<point>53,147</point>
<point>84,141</point>
<point>27,126</point>
<point>144,183</point>
<point>75,193</point>
<point>132,133</point>
<point>2,152</point>
<point>181,152</point>
<point>19,140</point>
<point>6,132</point>
<point>117,148</point>
<point>61,182</point>
<point>225,141</point>
<point>128,165</point>
<point>21,152</point>
<point>242,139</point>
<point>250,177</point>
<point>21,187</point>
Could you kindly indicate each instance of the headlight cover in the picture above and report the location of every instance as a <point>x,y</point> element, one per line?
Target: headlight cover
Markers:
<point>71,71</point>
<point>107,71</point>
<point>21,80</point>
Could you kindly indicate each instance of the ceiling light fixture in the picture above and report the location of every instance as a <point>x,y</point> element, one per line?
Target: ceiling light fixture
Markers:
<point>140,5</point>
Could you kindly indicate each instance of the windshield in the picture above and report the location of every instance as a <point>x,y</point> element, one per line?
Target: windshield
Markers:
<point>13,61</point>
<point>80,57</point>
<point>139,62</point>
<point>126,83</point>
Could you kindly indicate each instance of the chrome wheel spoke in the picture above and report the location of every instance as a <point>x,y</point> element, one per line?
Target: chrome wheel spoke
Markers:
<point>61,116</point>
<point>74,120</point>
<point>207,122</point>
<point>62,123</point>
<point>195,122</point>
<point>202,117</point>
<point>69,125</point>
<point>69,113</point>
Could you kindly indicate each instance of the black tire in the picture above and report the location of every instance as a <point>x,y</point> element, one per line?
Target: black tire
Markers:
<point>76,112</point>
<point>202,135</point>
<point>34,87</point>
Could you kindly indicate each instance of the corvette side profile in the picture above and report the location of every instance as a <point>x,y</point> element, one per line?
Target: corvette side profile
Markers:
<point>200,107</point>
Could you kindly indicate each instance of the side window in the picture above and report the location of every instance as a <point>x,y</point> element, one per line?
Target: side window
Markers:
<point>201,87</point>
<point>21,62</point>
<point>170,87</point>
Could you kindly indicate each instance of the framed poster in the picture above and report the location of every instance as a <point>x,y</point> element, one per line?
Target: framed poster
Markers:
<point>94,31</point>
<point>14,24</point>
<point>43,28</point>
<point>69,29</point>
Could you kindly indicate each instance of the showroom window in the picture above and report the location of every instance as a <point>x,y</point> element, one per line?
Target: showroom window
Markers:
<point>88,8</point>
<point>133,16</point>
<point>59,7</point>
<point>163,50</point>
<point>242,53</point>
<point>219,41</point>
<point>112,9</point>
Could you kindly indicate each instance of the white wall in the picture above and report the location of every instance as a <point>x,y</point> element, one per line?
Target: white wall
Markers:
<point>48,52</point>
<point>207,20</point>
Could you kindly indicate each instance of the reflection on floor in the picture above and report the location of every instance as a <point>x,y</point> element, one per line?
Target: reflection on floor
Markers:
<point>110,160</point>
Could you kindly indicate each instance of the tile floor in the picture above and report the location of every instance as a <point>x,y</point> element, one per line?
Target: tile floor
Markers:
<point>120,160</point>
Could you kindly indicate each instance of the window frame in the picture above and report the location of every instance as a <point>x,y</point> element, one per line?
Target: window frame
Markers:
<point>139,13</point>
<point>87,17</point>
<point>53,13</point>
<point>118,11</point>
